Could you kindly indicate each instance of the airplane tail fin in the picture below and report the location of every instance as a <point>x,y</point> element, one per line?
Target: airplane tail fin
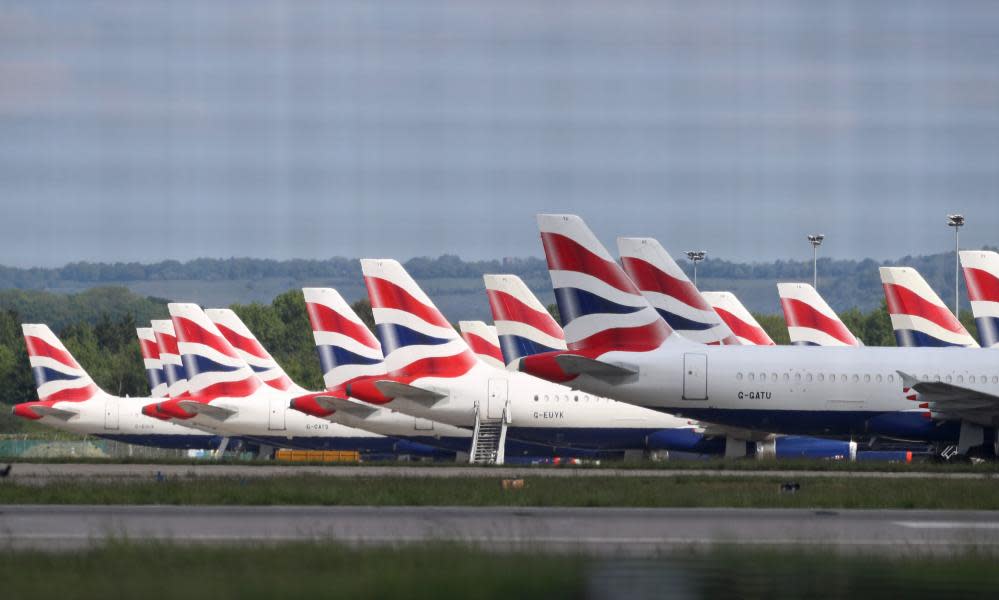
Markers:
<point>347,348</point>
<point>484,342</point>
<point>151,360</point>
<point>416,338</point>
<point>600,307</point>
<point>671,293</point>
<point>918,316</point>
<point>212,365</point>
<point>250,350</point>
<point>746,328</point>
<point>173,367</point>
<point>524,325</point>
<point>810,321</point>
<point>58,377</point>
<point>981,274</point>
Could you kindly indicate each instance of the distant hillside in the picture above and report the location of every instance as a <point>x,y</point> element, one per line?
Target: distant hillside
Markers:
<point>455,284</point>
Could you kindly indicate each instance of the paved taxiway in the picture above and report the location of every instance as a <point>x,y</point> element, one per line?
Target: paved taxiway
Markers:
<point>637,532</point>
<point>43,472</point>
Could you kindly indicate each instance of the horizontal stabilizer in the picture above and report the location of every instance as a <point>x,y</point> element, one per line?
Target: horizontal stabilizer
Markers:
<point>966,403</point>
<point>356,409</point>
<point>394,389</point>
<point>57,413</point>
<point>209,410</point>
<point>575,364</point>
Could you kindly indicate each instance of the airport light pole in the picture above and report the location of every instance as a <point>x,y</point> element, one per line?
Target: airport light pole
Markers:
<point>957,222</point>
<point>815,239</point>
<point>695,257</point>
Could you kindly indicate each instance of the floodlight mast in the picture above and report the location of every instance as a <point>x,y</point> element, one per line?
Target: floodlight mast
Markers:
<point>695,257</point>
<point>815,239</point>
<point>957,222</point>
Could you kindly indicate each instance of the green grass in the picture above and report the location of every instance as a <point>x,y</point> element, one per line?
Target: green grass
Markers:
<point>316,570</point>
<point>686,491</point>
<point>154,571</point>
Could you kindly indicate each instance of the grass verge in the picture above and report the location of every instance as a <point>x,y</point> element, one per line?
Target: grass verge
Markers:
<point>687,491</point>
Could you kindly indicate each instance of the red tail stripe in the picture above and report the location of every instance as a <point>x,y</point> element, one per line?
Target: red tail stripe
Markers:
<point>39,347</point>
<point>903,301</point>
<point>636,339</point>
<point>385,294</point>
<point>744,330</point>
<point>243,343</point>
<point>191,333</point>
<point>149,349</point>
<point>565,254</point>
<point>71,394</point>
<point>801,314</point>
<point>650,278</point>
<point>436,366</point>
<point>167,343</point>
<point>982,285</point>
<point>230,389</point>
<point>506,307</point>
<point>323,318</point>
<point>482,346</point>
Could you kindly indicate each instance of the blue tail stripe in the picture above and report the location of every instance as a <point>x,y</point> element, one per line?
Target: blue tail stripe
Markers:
<point>173,373</point>
<point>574,303</point>
<point>44,375</point>
<point>680,323</point>
<point>515,346</point>
<point>155,377</point>
<point>195,364</point>
<point>988,331</point>
<point>394,336</point>
<point>331,357</point>
<point>910,338</point>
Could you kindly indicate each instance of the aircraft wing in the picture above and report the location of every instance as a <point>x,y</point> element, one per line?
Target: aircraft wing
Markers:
<point>357,409</point>
<point>963,402</point>
<point>394,389</point>
<point>218,413</point>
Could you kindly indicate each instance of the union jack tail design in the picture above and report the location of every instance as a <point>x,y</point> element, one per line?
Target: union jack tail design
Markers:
<point>981,273</point>
<point>671,293</point>
<point>810,321</point>
<point>213,367</point>
<point>600,307</point>
<point>524,325</point>
<point>483,341</point>
<point>746,328</point>
<point>416,338</point>
<point>151,360</point>
<point>173,367</point>
<point>250,350</point>
<point>347,348</point>
<point>58,377</point>
<point>918,316</point>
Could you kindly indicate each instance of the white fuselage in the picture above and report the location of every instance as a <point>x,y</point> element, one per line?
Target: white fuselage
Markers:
<point>829,391</point>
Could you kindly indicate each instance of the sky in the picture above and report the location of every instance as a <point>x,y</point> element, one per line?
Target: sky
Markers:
<point>142,131</point>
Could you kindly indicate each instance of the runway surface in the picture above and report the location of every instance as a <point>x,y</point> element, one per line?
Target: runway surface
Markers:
<point>43,472</point>
<point>606,531</point>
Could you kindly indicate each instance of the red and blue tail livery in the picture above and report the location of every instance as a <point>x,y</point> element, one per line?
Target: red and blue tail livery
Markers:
<point>173,367</point>
<point>981,274</point>
<point>810,320</point>
<point>918,316</point>
<point>742,323</point>
<point>58,377</point>
<point>671,293</point>
<point>416,338</point>
<point>524,325</point>
<point>213,367</point>
<point>250,350</point>
<point>483,341</point>
<point>151,360</point>
<point>347,348</point>
<point>600,307</point>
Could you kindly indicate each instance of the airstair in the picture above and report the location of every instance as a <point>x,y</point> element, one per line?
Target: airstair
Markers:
<point>489,438</point>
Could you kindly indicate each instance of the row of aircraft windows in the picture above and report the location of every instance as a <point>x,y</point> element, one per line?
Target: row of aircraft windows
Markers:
<point>821,377</point>
<point>564,398</point>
